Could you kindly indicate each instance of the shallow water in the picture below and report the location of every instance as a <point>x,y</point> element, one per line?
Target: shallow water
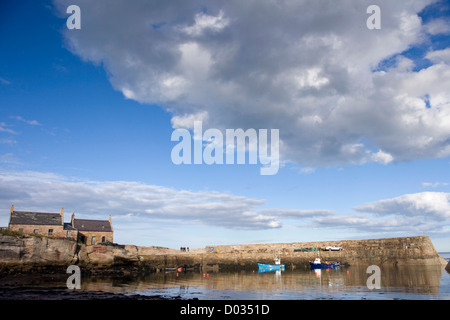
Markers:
<point>346,283</point>
<point>406,282</point>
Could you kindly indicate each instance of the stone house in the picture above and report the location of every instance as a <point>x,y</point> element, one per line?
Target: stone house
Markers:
<point>41,223</point>
<point>53,225</point>
<point>93,231</point>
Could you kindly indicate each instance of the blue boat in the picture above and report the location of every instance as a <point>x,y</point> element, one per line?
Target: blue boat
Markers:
<point>321,265</point>
<point>267,270</point>
<point>270,267</point>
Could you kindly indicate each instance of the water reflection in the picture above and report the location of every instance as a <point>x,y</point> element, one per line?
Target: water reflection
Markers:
<point>288,284</point>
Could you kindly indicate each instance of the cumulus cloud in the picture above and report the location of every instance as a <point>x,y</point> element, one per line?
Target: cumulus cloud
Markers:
<point>389,227</point>
<point>204,23</point>
<point>439,56</point>
<point>438,26</point>
<point>433,205</point>
<point>410,213</point>
<point>310,69</point>
<point>187,121</point>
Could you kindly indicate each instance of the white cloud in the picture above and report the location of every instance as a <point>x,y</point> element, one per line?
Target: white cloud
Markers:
<point>204,22</point>
<point>433,205</point>
<point>439,56</point>
<point>434,185</point>
<point>307,170</point>
<point>382,157</point>
<point>187,121</point>
<point>4,128</point>
<point>132,201</point>
<point>259,65</point>
<point>407,214</point>
<point>296,213</point>
<point>388,227</point>
<point>30,122</point>
<point>438,26</point>
<point>137,207</point>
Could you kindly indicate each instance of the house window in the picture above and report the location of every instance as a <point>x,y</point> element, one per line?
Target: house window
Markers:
<point>103,239</point>
<point>93,240</point>
<point>35,231</point>
<point>83,239</point>
<point>69,234</point>
<point>20,229</point>
<point>50,232</point>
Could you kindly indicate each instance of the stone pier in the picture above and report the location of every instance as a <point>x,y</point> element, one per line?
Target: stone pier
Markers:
<point>393,251</point>
<point>30,252</point>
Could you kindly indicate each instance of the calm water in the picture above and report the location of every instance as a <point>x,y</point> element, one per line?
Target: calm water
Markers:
<point>346,283</point>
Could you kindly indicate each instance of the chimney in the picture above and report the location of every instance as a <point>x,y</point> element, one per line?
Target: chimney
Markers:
<point>62,216</point>
<point>10,214</point>
<point>73,218</point>
<point>110,223</point>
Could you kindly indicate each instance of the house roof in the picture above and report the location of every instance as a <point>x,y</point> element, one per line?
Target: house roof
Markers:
<point>68,226</point>
<point>92,225</point>
<point>35,218</point>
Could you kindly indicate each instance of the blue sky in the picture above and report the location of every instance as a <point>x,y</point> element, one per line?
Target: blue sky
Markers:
<point>86,118</point>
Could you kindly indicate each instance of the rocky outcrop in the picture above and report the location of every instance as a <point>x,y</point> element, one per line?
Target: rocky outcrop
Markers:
<point>106,255</point>
<point>34,250</point>
<point>20,252</point>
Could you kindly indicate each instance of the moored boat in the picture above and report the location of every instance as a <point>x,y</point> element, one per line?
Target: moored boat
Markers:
<point>276,266</point>
<point>317,264</point>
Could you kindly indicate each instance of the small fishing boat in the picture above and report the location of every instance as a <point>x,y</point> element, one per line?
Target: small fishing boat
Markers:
<point>317,264</point>
<point>276,266</point>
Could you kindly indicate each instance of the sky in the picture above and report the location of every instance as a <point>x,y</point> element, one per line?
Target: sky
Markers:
<point>363,114</point>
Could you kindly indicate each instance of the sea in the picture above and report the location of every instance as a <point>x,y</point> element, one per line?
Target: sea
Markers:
<point>345,283</point>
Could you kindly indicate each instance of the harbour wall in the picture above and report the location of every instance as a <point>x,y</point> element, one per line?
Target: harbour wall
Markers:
<point>388,251</point>
<point>26,252</point>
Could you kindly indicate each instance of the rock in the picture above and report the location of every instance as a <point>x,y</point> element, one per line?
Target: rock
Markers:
<point>447,268</point>
<point>104,255</point>
<point>11,249</point>
<point>27,249</point>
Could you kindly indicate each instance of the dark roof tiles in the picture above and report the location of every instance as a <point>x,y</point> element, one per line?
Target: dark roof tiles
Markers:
<point>43,218</point>
<point>35,218</point>
<point>92,225</point>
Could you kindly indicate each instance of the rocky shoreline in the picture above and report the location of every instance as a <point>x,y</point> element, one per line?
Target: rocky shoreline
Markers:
<point>62,293</point>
